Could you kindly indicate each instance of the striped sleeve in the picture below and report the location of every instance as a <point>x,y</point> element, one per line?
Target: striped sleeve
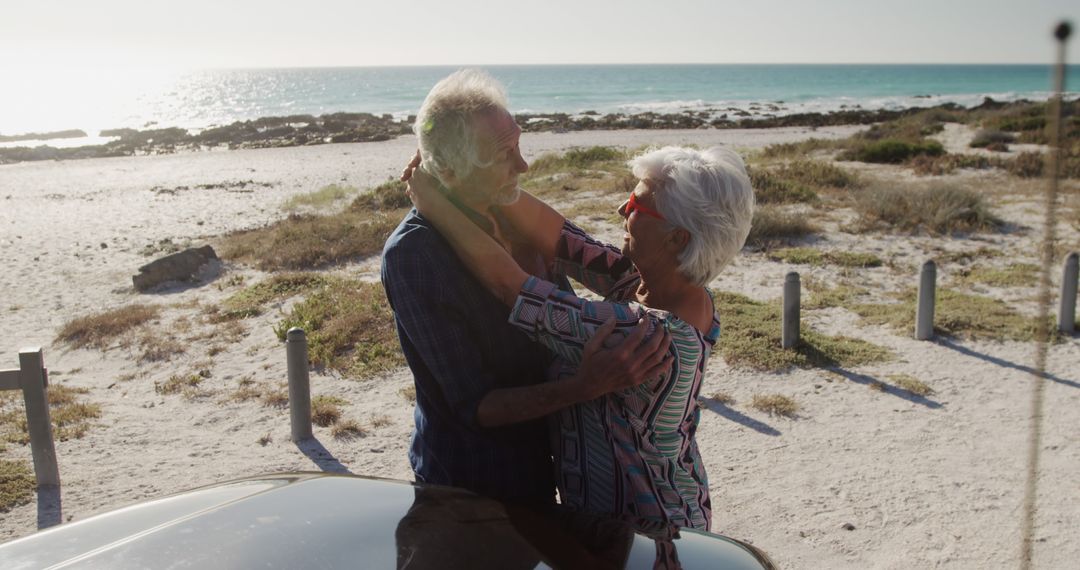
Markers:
<point>564,322</point>
<point>599,266</point>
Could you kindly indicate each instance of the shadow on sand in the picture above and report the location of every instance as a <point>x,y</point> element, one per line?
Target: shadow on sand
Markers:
<point>888,388</point>
<point>321,457</point>
<point>49,511</point>
<point>1004,363</point>
<point>737,417</point>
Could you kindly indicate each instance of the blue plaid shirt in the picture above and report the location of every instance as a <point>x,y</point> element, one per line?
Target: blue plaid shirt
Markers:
<point>457,341</point>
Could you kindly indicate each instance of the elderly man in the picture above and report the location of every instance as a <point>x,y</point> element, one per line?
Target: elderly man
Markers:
<point>481,393</point>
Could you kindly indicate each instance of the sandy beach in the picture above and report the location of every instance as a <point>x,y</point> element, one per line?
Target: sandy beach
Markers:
<point>922,482</point>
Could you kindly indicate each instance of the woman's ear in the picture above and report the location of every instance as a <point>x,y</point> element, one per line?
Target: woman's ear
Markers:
<point>677,240</point>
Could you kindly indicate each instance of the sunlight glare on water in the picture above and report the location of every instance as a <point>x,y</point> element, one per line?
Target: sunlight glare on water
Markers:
<point>47,99</point>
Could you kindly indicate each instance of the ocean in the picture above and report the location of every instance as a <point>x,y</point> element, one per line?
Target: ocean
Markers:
<point>92,100</point>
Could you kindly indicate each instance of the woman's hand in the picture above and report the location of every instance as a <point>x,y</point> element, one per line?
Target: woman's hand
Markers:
<point>422,188</point>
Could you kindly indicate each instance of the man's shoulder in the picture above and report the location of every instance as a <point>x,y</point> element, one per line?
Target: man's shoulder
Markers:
<point>413,235</point>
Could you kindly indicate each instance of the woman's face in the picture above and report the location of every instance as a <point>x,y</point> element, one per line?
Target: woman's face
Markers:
<point>647,232</point>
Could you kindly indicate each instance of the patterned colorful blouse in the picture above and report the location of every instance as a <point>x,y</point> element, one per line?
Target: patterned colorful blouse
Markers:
<point>631,452</point>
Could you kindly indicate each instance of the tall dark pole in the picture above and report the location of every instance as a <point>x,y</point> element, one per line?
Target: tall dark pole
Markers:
<point>1053,163</point>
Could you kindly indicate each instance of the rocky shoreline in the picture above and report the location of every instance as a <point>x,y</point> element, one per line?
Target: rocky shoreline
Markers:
<point>303,130</point>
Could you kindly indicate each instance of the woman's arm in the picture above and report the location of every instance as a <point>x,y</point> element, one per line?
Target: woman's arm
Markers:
<point>538,223</point>
<point>483,256</point>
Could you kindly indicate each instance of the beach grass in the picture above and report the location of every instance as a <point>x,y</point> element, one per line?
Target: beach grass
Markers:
<point>349,327</point>
<point>798,181</point>
<point>408,393</point>
<point>817,257</point>
<point>252,301</point>
<point>1012,275</point>
<point>322,198</point>
<point>751,339</point>
<point>956,314</point>
<point>178,383</point>
<point>102,329</point>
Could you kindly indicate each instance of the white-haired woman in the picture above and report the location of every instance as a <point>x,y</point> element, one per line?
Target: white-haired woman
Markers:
<point>633,452</point>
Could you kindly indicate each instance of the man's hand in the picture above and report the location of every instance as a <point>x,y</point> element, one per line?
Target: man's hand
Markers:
<point>608,366</point>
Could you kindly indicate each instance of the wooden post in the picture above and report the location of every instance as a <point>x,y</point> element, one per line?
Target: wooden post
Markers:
<point>1067,312</point>
<point>924,314</point>
<point>33,379</point>
<point>790,334</point>
<point>299,384</point>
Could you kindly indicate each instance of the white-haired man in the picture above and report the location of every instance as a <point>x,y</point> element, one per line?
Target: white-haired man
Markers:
<point>481,392</point>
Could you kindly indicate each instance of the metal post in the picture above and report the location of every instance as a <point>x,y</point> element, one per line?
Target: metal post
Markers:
<point>924,314</point>
<point>299,384</point>
<point>790,334</point>
<point>33,379</point>
<point>1067,312</point>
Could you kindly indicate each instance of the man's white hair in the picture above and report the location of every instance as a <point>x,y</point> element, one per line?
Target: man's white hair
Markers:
<point>707,193</point>
<point>444,124</point>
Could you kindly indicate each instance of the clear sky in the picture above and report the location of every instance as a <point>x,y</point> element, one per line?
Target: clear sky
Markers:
<point>276,33</point>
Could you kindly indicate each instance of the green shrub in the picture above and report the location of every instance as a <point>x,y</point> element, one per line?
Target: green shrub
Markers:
<point>986,137</point>
<point>349,326</point>
<point>389,195</point>
<point>751,339</point>
<point>250,301</point>
<point>892,151</point>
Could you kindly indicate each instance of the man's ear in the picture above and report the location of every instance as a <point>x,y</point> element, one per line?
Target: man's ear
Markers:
<point>447,177</point>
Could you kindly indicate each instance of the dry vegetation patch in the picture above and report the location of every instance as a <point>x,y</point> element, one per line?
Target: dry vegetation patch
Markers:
<point>310,242</point>
<point>775,405</point>
<point>751,338</point>
<point>17,484</point>
<point>349,327</point>
<point>911,384</point>
<point>773,226</point>
<point>326,410</point>
<point>101,330</point>
<point>348,430</point>
<point>69,414</point>
<point>937,209</point>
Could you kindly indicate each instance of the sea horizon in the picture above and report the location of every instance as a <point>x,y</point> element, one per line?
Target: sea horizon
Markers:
<point>96,100</point>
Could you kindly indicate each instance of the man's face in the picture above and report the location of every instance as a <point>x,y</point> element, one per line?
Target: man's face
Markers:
<point>497,138</point>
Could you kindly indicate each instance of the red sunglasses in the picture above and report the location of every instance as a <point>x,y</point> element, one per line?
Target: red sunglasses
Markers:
<point>632,204</point>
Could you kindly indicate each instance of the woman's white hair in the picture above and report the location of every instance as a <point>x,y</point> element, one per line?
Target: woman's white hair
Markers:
<point>444,124</point>
<point>707,193</point>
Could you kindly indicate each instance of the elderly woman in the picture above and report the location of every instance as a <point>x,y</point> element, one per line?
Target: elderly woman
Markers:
<point>630,453</point>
